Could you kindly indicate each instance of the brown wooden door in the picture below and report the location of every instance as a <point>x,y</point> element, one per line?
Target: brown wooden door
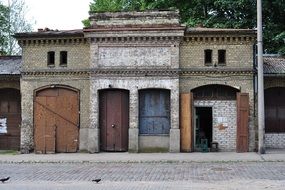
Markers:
<point>242,122</point>
<point>10,118</point>
<point>56,120</point>
<point>114,120</point>
<point>186,124</point>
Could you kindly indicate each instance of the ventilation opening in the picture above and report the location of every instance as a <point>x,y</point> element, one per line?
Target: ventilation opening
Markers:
<point>63,58</point>
<point>50,58</point>
<point>203,128</point>
<point>208,57</point>
<point>222,57</point>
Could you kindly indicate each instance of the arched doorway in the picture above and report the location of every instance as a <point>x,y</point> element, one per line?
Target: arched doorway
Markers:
<point>10,118</point>
<point>214,114</point>
<point>56,120</point>
<point>114,119</point>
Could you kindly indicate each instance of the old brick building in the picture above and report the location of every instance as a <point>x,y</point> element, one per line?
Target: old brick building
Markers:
<point>116,86</point>
<point>10,102</point>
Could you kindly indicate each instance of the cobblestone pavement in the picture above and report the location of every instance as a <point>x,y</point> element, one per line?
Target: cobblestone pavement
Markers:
<point>236,175</point>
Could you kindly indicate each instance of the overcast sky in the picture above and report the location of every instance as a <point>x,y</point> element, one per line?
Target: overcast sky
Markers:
<point>58,14</point>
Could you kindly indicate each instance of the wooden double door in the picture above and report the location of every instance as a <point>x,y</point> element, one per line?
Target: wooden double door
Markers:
<point>114,119</point>
<point>56,120</point>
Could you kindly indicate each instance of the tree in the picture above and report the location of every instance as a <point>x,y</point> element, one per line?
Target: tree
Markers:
<point>14,21</point>
<point>214,14</point>
<point>4,12</point>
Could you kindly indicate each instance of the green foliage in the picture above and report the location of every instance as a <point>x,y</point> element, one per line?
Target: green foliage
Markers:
<point>214,14</point>
<point>12,20</point>
<point>4,12</point>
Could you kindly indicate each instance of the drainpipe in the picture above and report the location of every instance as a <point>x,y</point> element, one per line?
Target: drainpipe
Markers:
<point>261,148</point>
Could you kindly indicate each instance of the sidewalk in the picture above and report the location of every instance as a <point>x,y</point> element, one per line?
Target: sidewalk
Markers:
<point>270,156</point>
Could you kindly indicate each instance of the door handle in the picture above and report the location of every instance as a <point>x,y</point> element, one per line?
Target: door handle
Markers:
<point>113,126</point>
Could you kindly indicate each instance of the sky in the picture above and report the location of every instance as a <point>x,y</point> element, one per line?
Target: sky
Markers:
<point>57,14</point>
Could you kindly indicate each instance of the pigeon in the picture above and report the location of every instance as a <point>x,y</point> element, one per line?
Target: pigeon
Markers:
<point>4,179</point>
<point>96,180</point>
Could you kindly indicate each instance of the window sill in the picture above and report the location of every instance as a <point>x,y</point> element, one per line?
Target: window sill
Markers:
<point>63,65</point>
<point>51,66</point>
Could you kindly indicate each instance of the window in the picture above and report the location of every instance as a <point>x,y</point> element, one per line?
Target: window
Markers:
<point>221,57</point>
<point>50,58</point>
<point>214,92</point>
<point>154,112</point>
<point>208,57</point>
<point>63,58</point>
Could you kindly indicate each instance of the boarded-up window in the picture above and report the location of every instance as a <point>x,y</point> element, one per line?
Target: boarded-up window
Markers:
<point>154,112</point>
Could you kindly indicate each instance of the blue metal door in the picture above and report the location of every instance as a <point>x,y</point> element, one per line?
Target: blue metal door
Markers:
<point>154,112</point>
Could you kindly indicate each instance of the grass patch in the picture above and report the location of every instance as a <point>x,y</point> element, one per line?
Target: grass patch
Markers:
<point>9,152</point>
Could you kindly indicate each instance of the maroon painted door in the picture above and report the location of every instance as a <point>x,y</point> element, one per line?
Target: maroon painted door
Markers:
<point>56,118</point>
<point>114,120</point>
<point>242,122</point>
<point>10,118</point>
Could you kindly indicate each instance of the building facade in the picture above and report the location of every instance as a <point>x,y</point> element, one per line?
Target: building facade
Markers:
<point>138,82</point>
<point>10,102</point>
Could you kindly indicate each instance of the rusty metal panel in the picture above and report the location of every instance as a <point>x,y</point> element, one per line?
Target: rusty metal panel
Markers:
<point>154,111</point>
<point>274,110</point>
<point>10,114</point>
<point>56,121</point>
<point>186,124</point>
<point>114,120</point>
<point>242,122</point>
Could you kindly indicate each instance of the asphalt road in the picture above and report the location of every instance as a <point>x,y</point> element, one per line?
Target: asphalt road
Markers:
<point>227,175</point>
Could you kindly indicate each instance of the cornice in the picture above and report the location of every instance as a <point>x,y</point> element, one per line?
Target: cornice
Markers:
<point>218,39</point>
<point>138,72</point>
<point>52,41</point>
<point>136,39</point>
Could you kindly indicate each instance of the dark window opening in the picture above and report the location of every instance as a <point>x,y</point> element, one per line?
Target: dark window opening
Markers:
<point>50,58</point>
<point>214,92</point>
<point>221,57</point>
<point>204,127</point>
<point>208,57</point>
<point>63,58</point>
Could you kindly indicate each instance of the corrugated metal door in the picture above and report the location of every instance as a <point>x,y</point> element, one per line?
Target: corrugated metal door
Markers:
<point>154,111</point>
<point>56,120</point>
<point>242,122</point>
<point>274,110</point>
<point>114,120</point>
<point>10,118</point>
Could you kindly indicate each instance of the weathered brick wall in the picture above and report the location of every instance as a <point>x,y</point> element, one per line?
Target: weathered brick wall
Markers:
<point>239,51</point>
<point>270,82</point>
<point>224,122</point>
<point>15,83</point>
<point>30,83</point>
<point>274,140</point>
<point>35,55</point>
<point>243,83</point>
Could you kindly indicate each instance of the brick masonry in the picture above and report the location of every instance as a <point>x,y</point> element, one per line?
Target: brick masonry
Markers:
<point>274,140</point>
